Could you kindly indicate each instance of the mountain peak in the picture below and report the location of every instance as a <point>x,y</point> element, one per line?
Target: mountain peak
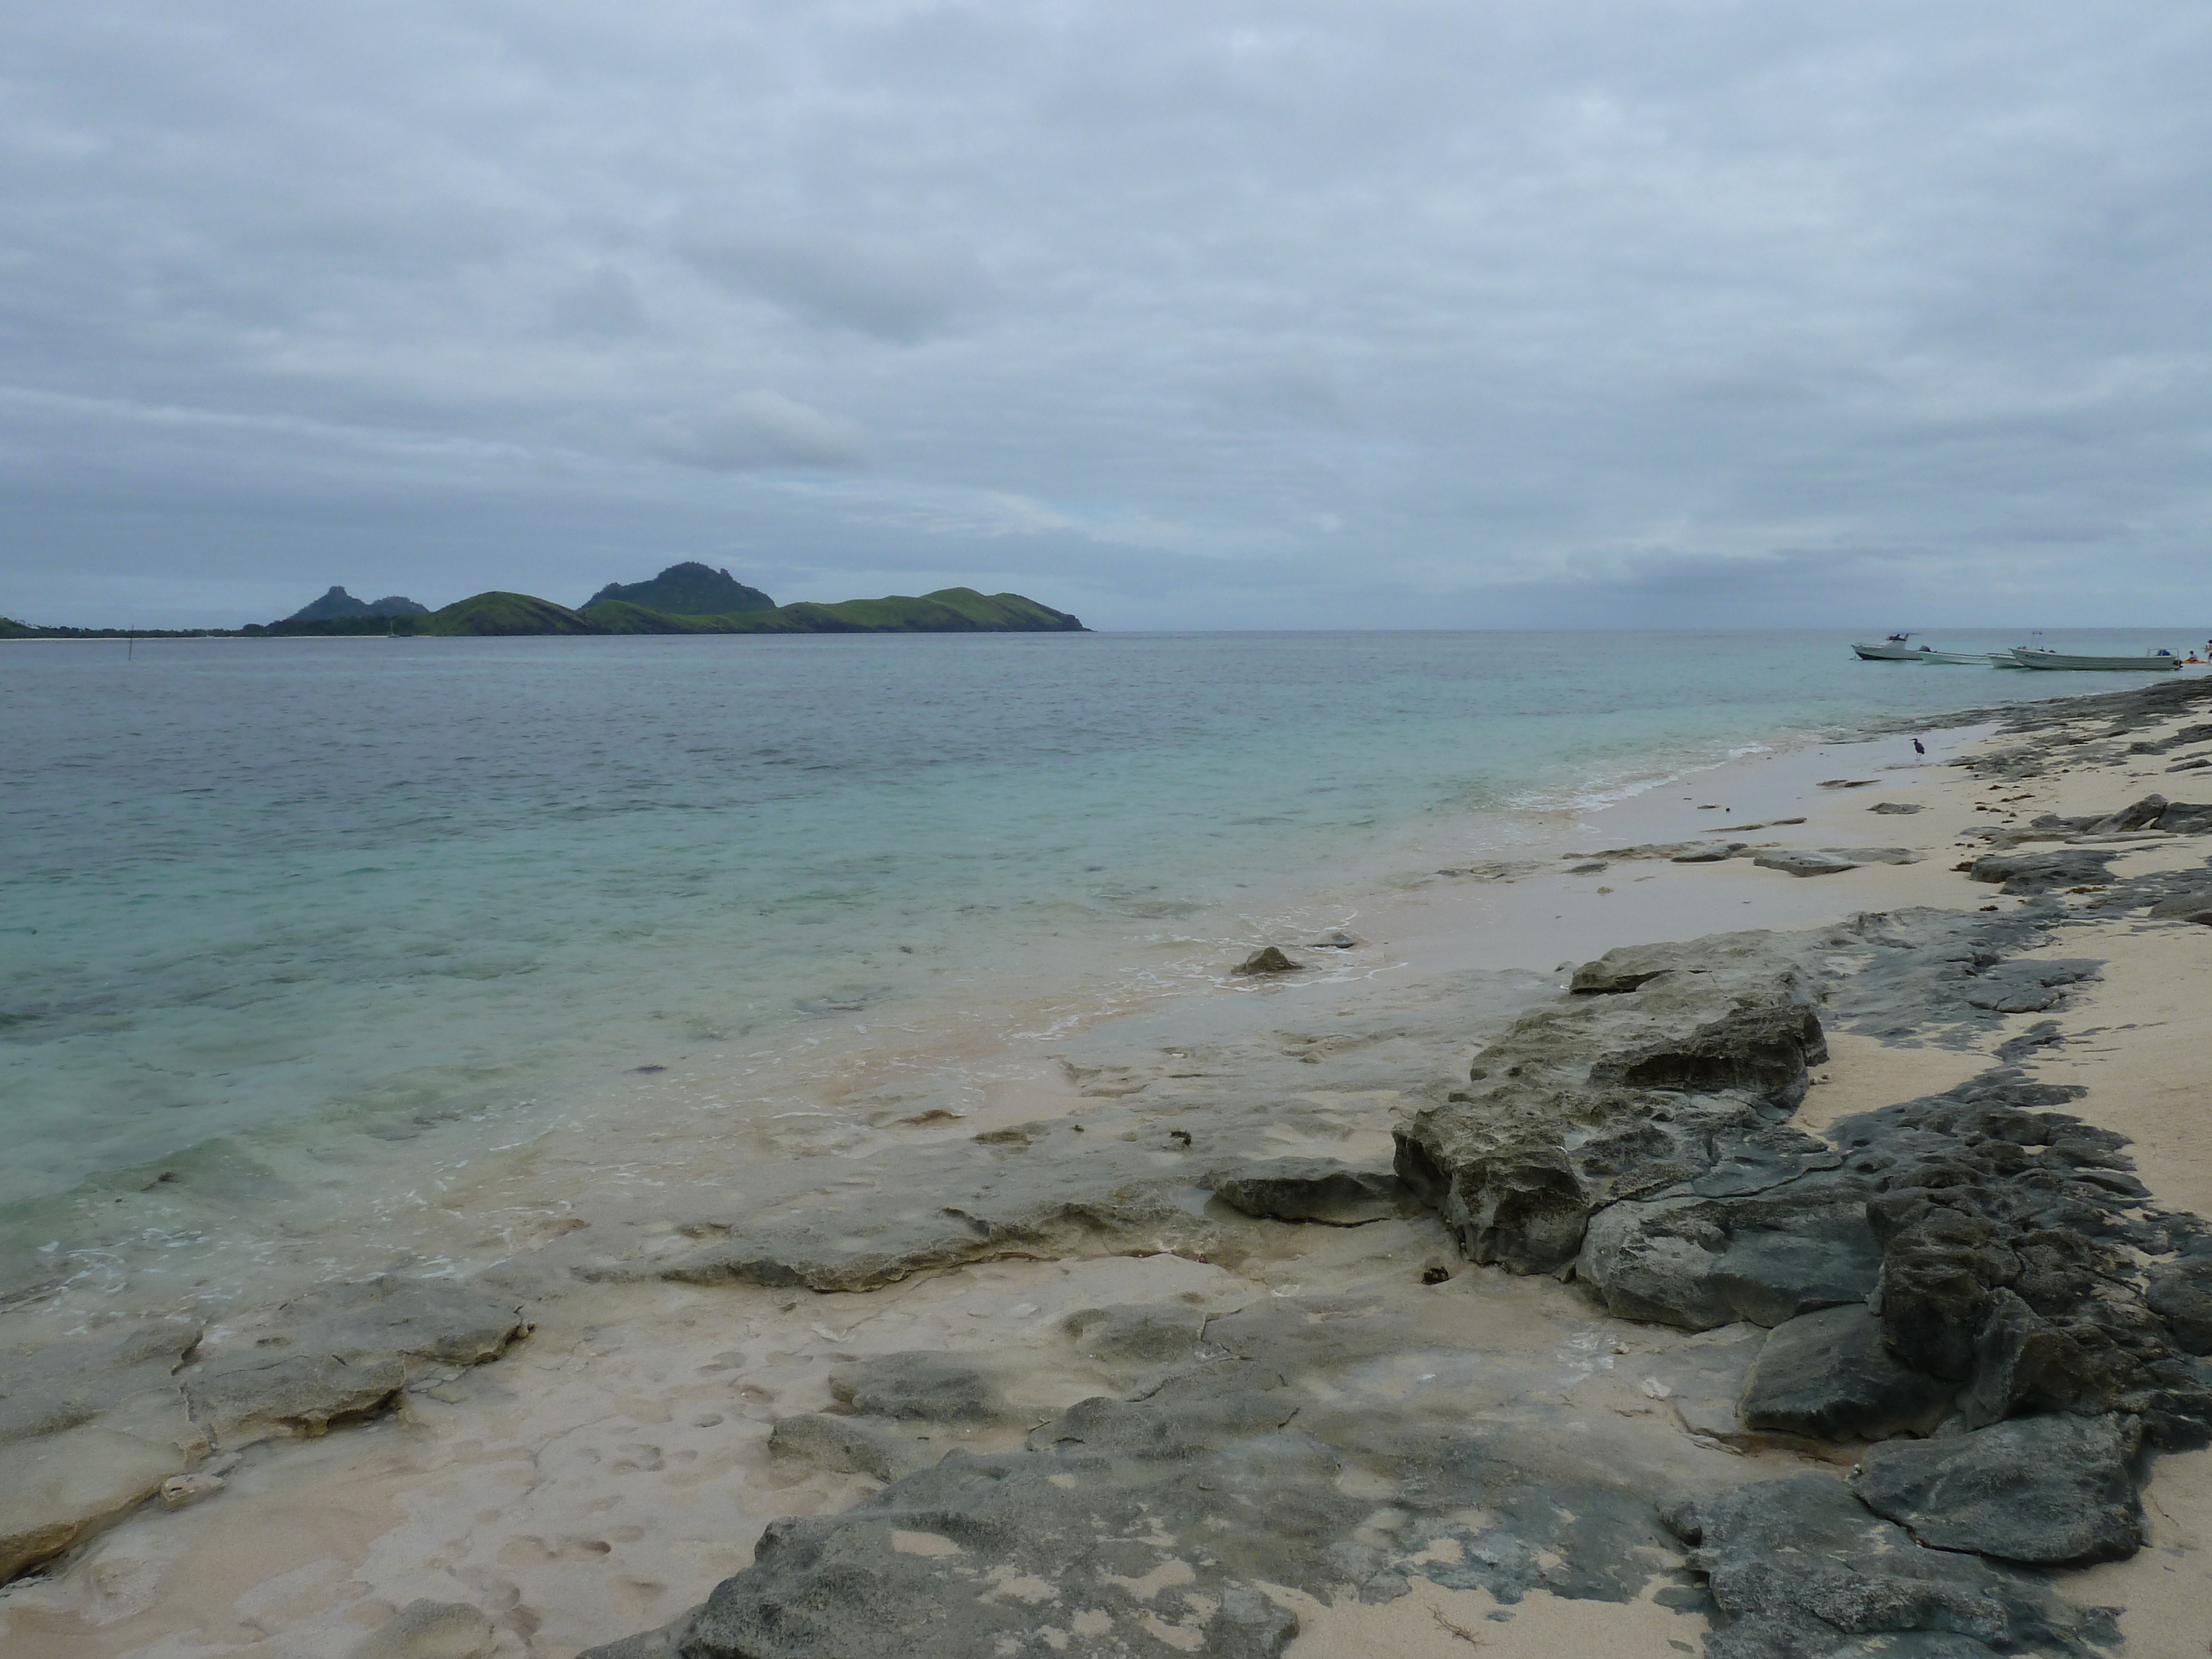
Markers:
<point>689,589</point>
<point>338,602</point>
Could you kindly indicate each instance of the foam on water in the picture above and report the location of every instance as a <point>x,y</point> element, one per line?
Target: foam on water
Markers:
<point>372,905</point>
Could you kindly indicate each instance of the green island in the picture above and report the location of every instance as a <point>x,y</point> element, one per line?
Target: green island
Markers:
<point>684,599</point>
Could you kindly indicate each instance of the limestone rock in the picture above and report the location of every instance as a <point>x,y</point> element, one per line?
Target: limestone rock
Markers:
<point>1699,1262</point>
<point>1896,808</point>
<point>647,1644</point>
<point>1146,1334</point>
<point>2195,907</point>
<point>57,1489</point>
<point>344,1351</point>
<point>847,1445</point>
<point>2025,873</point>
<point>2053,1491</point>
<point>2180,1292</point>
<point>1311,1189</point>
<point>1805,863</point>
<point>128,1370</point>
<point>89,1428</point>
<point>1801,1571</point>
<point>1827,1376</point>
<point>1613,1092</point>
<point>920,1386</point>
<point>430,1630</point>
<point>2142,815</point>
<point>1058,1210</point>
<point>1267,959</point>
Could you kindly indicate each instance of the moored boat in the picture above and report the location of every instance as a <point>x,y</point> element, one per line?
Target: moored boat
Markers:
<point>1897,647</point>
<point>2037,656</point>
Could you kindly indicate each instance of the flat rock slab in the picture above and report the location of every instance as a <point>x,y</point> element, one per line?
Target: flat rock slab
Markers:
<point>2027,873</point>
<point>59,1488</point>
<point>345,1352</point>
<point>131,1368</point>
<point>1312,1189</point>
<point>1827,1376</point>
<point>2053,1491</point>
<point>1801,1571</point>
<point>1805,863</point>
<point>430,1630</point>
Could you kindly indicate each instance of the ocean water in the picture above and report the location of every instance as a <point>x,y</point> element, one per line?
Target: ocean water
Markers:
<point>248,888</point>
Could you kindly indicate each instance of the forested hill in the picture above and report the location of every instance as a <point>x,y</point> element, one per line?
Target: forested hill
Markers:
<point>684,599</point>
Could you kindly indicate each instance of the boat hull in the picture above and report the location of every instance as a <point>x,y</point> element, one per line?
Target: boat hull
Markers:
<point>1914,653</point>
<point>2026,657</point>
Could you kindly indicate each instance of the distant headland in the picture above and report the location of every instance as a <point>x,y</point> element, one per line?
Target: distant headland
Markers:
<point>684,599</point>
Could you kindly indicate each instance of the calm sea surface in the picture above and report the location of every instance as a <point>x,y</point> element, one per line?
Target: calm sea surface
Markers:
<point>254,883</point>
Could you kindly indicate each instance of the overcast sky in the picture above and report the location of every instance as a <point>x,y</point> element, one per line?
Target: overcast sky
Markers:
<point>1311,313</point>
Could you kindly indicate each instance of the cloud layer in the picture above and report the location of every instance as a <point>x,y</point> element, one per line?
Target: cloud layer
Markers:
<point>1303,314</point>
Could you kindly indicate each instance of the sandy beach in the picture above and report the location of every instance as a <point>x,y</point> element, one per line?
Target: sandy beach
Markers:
<point>1290,1414</point>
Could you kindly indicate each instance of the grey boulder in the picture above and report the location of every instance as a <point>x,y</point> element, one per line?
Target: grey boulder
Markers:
<point>2048,1492</point>
<point>2180,1293</point>
<point>1801,1571</point>
<point>1827,1376</point>
<point>2025,873</point>
<point>1701,1262</point>
<point>1311,1189</point>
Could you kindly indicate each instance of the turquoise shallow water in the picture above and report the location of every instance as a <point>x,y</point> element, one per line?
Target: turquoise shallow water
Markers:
<point>251,883</point>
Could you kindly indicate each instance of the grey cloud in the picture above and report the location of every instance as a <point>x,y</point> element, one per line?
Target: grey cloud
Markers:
<point>1290,313</point>
<point>604,303</point>
<point>758,429</point>
<point>900,294</point>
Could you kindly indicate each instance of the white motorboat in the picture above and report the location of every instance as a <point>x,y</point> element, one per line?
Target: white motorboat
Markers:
<point>2037,656</point>
<point>1897,647</point>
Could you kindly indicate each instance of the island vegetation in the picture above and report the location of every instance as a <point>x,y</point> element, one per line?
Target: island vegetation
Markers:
<point>684,599</point>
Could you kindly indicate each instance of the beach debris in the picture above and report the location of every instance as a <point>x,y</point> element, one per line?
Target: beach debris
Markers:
<point>1847,783</point>
<point>1436,1273</point>
<point>1896,808</point>
<point>1267,959</point>
<point>1311,1189</point>
<point>1799,862</point>
<point>181,1491</point>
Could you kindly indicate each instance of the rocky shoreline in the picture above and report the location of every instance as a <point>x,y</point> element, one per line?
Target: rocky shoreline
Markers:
<point>1876,1385</point>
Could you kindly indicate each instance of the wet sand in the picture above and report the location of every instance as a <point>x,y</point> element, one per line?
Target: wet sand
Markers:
<point>605,1473</point>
